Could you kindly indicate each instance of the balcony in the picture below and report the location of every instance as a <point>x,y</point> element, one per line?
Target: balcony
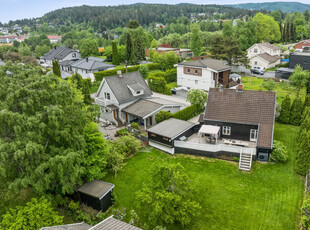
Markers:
<point>103,102</point>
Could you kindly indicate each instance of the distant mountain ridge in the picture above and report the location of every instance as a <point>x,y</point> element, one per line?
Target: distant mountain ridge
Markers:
<point>287,7</point>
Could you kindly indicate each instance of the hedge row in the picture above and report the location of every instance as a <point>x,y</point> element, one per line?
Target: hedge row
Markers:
<point>188,112</point>
<point>106,73</point>
<point>171,75</point>
<point>159,85</point>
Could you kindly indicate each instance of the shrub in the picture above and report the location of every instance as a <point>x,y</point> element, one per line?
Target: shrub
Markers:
<point>171,75</point>
<point>269,85</point>
<point>235,158</point>
<point>305,218</point>
<point>285,110</point>
<point>187,113</point>
<point>122,132</point>
<point>106,73</point>
<point>296,112</point>
<point>135,125</point>
<point>158,83</point>
<point>162,115</point>
<point>144,70</point>
<point>279,152</point>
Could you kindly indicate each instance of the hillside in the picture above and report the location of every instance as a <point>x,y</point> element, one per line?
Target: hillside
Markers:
<point>103,17</point>
<point>283,6</point>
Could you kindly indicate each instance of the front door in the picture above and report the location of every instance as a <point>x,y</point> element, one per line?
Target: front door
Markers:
<point>115,114</point>
<point>126,116</point>
<point>151,121</point>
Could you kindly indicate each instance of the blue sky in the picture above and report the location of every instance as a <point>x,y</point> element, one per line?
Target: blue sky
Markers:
<point>18,9</point>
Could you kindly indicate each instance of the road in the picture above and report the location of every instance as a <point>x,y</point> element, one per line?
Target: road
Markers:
<point>270,74</point>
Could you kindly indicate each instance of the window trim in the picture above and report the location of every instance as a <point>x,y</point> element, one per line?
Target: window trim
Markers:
<point>255,131</point>
<point>226,130</point>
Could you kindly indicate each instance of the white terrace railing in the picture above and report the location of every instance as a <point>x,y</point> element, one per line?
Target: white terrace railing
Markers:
<point>214,147</point>
<point>102,102</point>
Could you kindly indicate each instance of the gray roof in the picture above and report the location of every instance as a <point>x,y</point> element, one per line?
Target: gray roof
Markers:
<point>67,62</point>
<point>301,53</point>
<point>91,64</point>
<point>119,86</point>
<point>58,53</point>
<point>113,224</point>
<point>217,65</point>
<point>136,87</point>
<point>76,226</point>
<point>96,59</point>
<point>171,128</point>
<point>270,46</point>
<point>142,108</point>
<point>96,188</point>
<point>282,69</point>
<point>269,58</point>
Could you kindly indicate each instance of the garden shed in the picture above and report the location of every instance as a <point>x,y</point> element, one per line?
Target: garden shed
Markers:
<point>96,194</point>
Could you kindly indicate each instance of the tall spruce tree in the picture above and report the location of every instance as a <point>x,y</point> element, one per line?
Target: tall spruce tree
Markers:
<point>115,57</point>
<point>128,46</point>
<point>285,110</point>
<point>195,39</point>
<point>296,111</point>
<point>139,49</point>
<point>302,163</point>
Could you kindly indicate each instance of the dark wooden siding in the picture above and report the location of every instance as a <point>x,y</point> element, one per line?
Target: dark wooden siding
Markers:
<point>303,61</point>
<point>238,131</point>
<point>90,201</point>
<point>106,202</point>
<point>160,139</point>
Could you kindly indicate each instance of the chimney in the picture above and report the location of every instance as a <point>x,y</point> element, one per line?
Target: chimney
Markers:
<point>240,88</point>
<point>221,88</point>
<point>86,59</point>
<point>54,47</point>
<point>119,73</point>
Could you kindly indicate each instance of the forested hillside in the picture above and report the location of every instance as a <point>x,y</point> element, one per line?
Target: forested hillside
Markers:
<point>103,17</point>
<point>283,6</point>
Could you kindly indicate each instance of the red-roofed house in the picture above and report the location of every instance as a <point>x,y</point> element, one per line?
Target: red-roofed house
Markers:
<point>54,38</point>
<point>301,45</point>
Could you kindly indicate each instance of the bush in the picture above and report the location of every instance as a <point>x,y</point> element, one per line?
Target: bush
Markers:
<point>135,125</point>
<point>305,218</point>
<point>269,85</point>
<point>296,111</point>
<point>157,83</point>
<point>162,115</point>
<point>279,152</point>
<point>144,70</point>
<point>187,113</point>
<point>106,73</point>
<point>122,132</point>
<point>235,158</point>
<point>285,110</point>
<point>171,75</point>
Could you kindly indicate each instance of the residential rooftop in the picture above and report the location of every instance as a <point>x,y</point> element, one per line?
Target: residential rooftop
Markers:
<point>96,188</point>
<point>216,65</point>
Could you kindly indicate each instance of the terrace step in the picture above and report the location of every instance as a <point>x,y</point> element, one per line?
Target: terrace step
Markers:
<point>245,161</point>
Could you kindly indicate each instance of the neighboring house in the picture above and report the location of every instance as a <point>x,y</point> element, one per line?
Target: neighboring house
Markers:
<point>203,74</point>
<point>236,123</point>
<point>264,55</point>
<point>265,60</point>
<point>96,194</point>
<point>144,110</point>
<point>61,53</point>
<point>75,226</point>
<point>182,53</point>
<point>301,45</point>
<point>109,223</point>
<point>300,58</point>
<point>54,38</point>
<point>117,92</point>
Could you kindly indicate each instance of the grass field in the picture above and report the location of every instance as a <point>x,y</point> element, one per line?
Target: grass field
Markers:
<point>269,197</point>
<point>283,88</point>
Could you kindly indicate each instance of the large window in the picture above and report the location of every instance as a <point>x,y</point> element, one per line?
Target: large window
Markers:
<point>196,71</point>
<point>255,50</point>
<point>226,130</point>
<point>253,134</point>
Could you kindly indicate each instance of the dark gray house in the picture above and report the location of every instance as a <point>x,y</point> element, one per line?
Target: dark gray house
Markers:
<point>96,194</point>
<point>300,58</point>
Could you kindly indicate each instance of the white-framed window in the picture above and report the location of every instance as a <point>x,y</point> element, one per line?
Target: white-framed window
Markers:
<point>196,71</point>
<point>253,134</point>
<point>226,130</point>
<point>188,70</point>
<point>138,92</point>
<point>73,54</point>
<point>107,96</point>
<point>255,63</point>
<point>255,50</point>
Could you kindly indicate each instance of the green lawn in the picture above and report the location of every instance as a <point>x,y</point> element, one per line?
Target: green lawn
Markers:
<point>283,88</point>
<point>269,197</point>
<point>172,84</point>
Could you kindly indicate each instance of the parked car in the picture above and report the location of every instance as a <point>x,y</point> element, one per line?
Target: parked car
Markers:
<point>258,70</point>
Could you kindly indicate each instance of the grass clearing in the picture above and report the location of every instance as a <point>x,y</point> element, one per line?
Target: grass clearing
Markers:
<point>283,88</point>
<point>267,198</point>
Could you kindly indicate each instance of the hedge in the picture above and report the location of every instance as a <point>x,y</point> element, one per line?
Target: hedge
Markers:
<point>159,85</point>
<point>188,112</point>
<point>106,73</point>
<point>171,75</point>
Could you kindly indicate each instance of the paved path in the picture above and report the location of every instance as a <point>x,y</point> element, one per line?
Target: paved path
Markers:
<point>269,74</point>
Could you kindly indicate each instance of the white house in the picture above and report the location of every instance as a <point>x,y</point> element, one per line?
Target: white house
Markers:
<point>203,74</point>
<point>61,53</point>
<point>125,98</point>
<point>264,55</point>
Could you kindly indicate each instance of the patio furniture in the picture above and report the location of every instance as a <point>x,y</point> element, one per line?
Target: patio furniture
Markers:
<point>212,131</point>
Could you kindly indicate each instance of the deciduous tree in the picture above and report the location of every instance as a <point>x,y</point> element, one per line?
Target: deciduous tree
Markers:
<point>267,28</point>
<point>197,97</point>
<point>195,39</point>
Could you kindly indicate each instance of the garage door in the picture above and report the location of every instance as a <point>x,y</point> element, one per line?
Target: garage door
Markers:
<point>161,147</point>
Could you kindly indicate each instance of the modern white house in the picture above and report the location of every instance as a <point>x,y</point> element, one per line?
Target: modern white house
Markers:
<point>203,74</point>
<point>60,54</point>
<point>126,98</point>
<point>264,54</point>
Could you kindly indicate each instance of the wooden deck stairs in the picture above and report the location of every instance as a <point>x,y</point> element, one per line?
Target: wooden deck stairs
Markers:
<point>245,161</point>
